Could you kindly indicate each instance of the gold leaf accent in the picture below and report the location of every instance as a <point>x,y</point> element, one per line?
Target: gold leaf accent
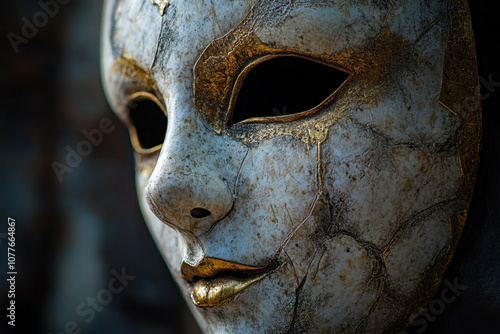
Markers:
<point>460,93</point>
<point>220,70</point>
<point>162,5</point>
<point>220,291</point>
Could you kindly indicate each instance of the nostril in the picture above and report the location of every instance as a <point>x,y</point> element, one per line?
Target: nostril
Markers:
<point>200,213</point>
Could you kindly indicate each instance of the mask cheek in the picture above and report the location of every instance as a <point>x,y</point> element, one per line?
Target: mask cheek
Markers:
<point>342,285</point>
<point>419,246</point>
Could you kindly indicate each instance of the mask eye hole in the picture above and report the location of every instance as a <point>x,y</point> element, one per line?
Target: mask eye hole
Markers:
<point>280,87</point>
<point>148,122</point>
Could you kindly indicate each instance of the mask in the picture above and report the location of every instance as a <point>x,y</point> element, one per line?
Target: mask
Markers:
<point>304,166</point>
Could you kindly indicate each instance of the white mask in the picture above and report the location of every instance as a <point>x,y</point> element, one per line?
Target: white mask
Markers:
<point>319,157</point>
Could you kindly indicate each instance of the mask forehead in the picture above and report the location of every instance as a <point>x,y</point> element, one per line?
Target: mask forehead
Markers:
<point>141,31</point>
<point>326,27</point>
<point>138,31</point>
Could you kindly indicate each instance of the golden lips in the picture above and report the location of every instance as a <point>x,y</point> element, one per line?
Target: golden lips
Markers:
<point>215,282</point>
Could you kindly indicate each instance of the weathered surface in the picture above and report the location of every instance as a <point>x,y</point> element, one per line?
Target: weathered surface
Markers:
<point>356,207</point>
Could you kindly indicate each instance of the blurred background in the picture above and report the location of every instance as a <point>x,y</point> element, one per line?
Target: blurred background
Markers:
<point>72,235</point>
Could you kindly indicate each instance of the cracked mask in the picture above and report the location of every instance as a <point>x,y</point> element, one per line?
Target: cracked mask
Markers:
<point>304,166</point>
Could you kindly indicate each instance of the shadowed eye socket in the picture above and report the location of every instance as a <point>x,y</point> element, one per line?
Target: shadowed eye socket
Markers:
<point>278,88</point>
<point>148,122</point>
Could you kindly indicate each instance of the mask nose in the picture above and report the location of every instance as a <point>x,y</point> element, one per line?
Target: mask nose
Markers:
<point>185,190</point>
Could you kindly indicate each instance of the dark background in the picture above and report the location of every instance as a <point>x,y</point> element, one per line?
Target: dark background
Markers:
<point>70,235</point>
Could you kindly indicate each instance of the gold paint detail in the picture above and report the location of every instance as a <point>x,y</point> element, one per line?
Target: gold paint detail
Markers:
<point>207,290</point>
<point>145,164</point>
<point>222,67</point>
<point>210,266</point>
<point>460,93</point>
<point>133,131</point>
<point>132,78</point>
<point>220,291</point>
<point>280,119</point>
<point>133,81</point>
<point>162,5</point>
